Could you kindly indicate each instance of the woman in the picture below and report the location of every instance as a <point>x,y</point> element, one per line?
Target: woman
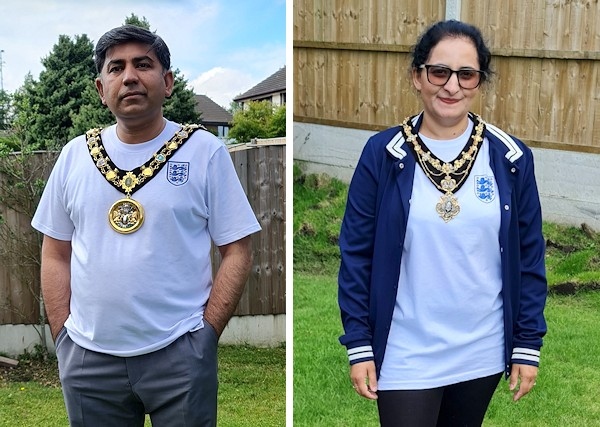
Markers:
<point>442,283</point>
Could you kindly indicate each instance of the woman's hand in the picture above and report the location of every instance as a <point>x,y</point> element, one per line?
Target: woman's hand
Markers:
<point>524,376</point>
<point>364,381</point>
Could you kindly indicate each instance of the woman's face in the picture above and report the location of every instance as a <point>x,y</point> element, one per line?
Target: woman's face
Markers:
<point>448,104</point>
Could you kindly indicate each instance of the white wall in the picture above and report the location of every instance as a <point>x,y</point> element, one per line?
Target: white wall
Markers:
<point>277,99</point>
<point>569,183</point>
<point>328,149</point>
<point>259,331</point>
<point>15,339</point>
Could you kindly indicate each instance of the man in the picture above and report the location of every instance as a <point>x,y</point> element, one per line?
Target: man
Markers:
<point>128,216</point>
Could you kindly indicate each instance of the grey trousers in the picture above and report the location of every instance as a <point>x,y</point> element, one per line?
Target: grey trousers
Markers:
<point>176,385</point>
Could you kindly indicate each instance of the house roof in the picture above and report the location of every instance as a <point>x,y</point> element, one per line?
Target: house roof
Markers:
<point>273,83</point>
<point>211,111</point>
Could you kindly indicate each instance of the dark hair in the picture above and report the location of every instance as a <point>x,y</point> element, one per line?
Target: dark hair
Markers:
<point>440,30</point>
<point>127,34</point>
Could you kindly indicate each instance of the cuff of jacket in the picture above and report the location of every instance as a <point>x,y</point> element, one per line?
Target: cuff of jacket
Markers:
<point>526,356</point>
<point>360,354</point>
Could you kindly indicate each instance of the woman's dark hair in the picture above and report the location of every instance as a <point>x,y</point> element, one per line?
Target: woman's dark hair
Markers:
<point>440,30</point>
<point>127,34</point>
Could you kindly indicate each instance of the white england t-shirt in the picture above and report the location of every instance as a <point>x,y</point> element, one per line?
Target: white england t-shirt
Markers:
<point>447,324</point>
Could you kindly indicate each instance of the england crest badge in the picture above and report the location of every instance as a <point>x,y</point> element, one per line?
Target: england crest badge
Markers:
<point>484,188</point>
<point>178,172</point>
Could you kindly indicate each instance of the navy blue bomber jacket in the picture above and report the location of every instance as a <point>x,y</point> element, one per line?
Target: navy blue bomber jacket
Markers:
<point>372,238</point>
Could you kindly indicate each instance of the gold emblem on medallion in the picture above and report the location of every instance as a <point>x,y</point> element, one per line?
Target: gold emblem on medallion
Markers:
<point>126,216</point>
<point>447,208</point>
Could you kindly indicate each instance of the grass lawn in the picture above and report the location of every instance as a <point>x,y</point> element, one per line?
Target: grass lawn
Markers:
<point>251,392</point>
<point>31,404</point>
<point>569,378</point>
<point>566,393</point>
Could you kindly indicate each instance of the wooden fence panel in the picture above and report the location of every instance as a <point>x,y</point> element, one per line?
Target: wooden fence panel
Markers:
<point>548,25</point>
<point>352,65</point>
<point>363,22</point>
<point>563,116</point>
<point>547,71</point>
<point>19,243</point>
<point>261,170</point>
<point>362,89</point>
<point>351,60</point>
<point>19,284</point>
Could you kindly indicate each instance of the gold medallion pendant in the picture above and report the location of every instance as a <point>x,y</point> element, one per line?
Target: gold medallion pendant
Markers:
<point>126,216</point>
<point>448,207</point>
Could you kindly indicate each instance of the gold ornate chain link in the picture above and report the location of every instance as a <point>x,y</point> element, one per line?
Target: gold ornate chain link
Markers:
<point>453,175</point>
<point>127,180</point>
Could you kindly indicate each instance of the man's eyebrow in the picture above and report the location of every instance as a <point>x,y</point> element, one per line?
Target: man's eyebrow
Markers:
<point>142,58</point>
<point>135,60</point>
<point>114,61</point>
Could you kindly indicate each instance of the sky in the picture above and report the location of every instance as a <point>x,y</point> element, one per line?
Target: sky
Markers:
<point>222,47</point>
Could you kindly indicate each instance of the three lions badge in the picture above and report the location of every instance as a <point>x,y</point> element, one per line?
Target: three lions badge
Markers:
<point>178,172</point>
<point>484,188</point>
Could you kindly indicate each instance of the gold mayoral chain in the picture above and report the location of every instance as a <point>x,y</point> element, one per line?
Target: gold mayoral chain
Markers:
<point>127,215</point>
<point>447,177</point>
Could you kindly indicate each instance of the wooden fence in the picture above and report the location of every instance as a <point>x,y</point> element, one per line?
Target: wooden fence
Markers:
<point>352,58</point>
<point>261,168</point>
<point>21,183</point>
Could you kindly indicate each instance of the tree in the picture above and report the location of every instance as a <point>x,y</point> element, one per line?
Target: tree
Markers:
<point>277,125</point>
<point>180,107</point>
<point>5,100</point>
<point>134,20</point>
<point>234,107</point>
<point>259,120</point>
<point>53,100</point>
<point>24,118</point>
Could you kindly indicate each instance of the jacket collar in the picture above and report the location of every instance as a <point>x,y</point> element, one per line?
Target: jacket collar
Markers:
<point>513,151</point>
<point>394,147</point>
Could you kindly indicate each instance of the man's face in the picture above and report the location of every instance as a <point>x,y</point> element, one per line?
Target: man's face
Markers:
<point>133,83</point>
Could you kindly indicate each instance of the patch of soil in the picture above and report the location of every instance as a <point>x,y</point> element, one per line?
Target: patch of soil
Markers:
<point>307,229</point>
<point>570,288</point>
<point>42,369</point>
<point>566,249</point>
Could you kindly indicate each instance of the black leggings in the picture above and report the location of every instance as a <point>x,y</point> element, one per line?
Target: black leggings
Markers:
<point>462,404</point>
